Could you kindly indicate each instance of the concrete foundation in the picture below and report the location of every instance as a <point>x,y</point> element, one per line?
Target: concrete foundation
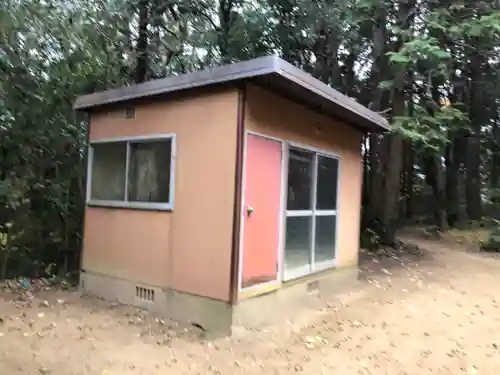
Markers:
<point>219,317</point>
<point>292,298</point>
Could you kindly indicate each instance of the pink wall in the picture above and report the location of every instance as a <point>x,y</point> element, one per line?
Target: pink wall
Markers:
<point>188,249</point>
<point>275,116</point>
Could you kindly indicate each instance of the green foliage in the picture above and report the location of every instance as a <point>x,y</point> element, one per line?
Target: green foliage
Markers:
<point>369,240</point>
<point>429,131</point>
<point>41,158</point>
<point>493,242</point>
<point>53,51</point>
<point>419,49</point>
<point>487,25</point>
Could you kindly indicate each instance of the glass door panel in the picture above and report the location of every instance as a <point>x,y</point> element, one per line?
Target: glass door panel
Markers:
<point>311,212</point>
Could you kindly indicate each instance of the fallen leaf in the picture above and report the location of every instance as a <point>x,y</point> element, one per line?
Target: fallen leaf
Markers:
<point>472,370</point>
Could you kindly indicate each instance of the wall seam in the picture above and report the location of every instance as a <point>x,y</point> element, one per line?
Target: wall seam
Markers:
<point>235,251</point>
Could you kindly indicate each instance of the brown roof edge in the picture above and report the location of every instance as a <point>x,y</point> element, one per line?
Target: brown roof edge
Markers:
<point>307,81</point>
<point>272,69</point>
<point>206,77</point>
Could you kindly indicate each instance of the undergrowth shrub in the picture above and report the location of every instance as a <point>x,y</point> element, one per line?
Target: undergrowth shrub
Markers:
<point>493,242</point>
<point>369,239</point>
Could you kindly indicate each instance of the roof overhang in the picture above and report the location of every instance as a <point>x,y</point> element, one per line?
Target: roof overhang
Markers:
<point>269,72</point>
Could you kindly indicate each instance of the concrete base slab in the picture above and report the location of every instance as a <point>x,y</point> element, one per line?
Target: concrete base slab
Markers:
<point>211,314</point>
<point>219,317</point>
<point>287,302</point>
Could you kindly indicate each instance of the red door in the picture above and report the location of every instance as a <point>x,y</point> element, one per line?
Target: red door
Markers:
<point>261,211</point>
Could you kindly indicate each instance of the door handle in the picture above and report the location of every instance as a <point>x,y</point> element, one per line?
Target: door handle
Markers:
<point>250,210</point>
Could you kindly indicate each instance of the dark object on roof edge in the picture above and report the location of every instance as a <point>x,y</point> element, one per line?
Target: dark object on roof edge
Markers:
<point>270,72</point>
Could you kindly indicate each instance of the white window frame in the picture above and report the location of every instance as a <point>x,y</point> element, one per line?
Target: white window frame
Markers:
<point>125,203</point>
<point>312,267</point>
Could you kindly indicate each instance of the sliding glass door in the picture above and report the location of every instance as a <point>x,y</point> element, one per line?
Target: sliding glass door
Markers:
<point>311,212</point>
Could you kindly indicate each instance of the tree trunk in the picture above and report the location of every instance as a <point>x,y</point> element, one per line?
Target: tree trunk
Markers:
<point>377,154</point>
<point>142,63</point>
<point>452,173</point>
<point>389,217</point>
<point>435,177</point>
<point>408,179</point>
<point>393,143</point>
<point>225,20</point>
<point>5,263</point>
<point>455,159</point>
<point>393,168</point>
<point>349,76</point>
<point>473,159</point>
<point>495,156</point>
<point>440,194</point>
<point>376,179</point>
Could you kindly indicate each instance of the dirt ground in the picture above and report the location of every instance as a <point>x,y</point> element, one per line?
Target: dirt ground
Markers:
<point>432,311</point>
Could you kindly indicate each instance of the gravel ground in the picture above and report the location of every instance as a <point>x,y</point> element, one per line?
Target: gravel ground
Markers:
<point>431,309</point>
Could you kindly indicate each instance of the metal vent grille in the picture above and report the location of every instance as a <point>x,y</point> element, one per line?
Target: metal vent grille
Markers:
<point>144,294</point>
<point>130,112</point>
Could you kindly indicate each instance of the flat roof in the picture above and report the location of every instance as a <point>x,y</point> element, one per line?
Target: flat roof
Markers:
<point>270,72</point>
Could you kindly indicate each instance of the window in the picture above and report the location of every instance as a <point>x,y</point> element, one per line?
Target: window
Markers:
<point>311,212</point>
<point>133,172</point>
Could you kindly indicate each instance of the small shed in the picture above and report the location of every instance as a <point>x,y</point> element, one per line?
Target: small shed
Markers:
<point>226,196</point>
